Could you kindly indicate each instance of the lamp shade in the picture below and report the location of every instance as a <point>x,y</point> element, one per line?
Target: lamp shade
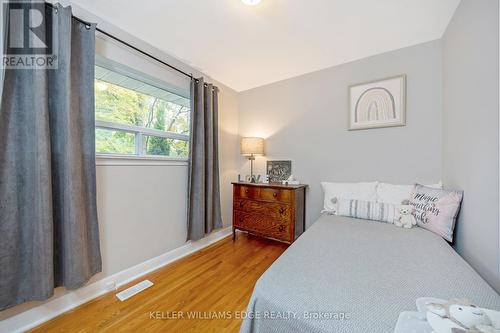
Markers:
<point>252,146</point>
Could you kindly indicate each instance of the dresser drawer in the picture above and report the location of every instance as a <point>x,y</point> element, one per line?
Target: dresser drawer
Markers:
<point>274,194</point>
<point>275,210</point>
<point>269,194</point>
<point>262,225</point>
<point>251,192</point>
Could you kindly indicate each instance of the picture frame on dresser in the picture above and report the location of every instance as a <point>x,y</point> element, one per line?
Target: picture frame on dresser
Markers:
<point>277,171</point>
<point>273,211</point>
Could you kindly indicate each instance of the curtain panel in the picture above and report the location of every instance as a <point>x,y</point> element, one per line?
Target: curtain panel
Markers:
<point>48,215</point>
<point>204,211</point>
<point>3,38</point>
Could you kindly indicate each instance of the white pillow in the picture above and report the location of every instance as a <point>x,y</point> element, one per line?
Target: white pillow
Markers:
<point>354,191</point>
<point>395,194</point>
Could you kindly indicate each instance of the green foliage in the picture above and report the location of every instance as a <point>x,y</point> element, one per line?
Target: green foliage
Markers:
<point>125,106</point>
<point>114,142</point>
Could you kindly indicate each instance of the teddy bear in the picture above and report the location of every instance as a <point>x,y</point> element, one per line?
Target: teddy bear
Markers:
<point>461,316</point>
<point>404,216</point>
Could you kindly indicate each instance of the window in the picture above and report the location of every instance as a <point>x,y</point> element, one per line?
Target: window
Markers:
<point>137,118</point>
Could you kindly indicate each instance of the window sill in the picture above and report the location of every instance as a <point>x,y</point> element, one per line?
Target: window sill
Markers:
<point>130,160</point>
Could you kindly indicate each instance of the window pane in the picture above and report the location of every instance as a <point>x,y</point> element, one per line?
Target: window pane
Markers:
<point>153,145</point>
<point>125,100</point>
<point>114,142</point>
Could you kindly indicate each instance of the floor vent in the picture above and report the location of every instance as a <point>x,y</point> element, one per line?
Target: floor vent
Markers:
<point>135,289</point>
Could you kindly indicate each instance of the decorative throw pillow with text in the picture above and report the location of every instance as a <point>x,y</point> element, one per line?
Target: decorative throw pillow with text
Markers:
<point>436,210</point>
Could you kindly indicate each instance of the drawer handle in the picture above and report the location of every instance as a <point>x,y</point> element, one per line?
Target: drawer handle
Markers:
<point>282,210</point>
<point>275,194</point>
<point>281,228</point>
<point>246,191</point>
<point>241,203</point>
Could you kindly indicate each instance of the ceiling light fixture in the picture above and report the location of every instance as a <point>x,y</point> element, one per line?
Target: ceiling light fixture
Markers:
<point>251,2</point>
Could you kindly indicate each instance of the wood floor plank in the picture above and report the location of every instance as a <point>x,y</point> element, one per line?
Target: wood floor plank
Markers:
<point>216,281</point>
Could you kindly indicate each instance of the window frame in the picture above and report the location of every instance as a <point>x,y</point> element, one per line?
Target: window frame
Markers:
<point>139,131</point>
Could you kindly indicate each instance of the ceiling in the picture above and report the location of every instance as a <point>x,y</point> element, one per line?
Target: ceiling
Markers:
<point>248,46</point>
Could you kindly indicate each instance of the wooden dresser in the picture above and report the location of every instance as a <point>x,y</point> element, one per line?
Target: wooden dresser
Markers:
<point>269,210</point>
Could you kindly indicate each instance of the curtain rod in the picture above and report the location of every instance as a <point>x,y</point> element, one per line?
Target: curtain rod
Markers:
<point>128,45</point>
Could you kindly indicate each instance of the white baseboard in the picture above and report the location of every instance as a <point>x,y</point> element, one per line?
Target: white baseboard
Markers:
<point>52,308</point>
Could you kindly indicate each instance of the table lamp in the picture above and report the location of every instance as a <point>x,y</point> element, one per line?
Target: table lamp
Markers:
<point>250,147</point>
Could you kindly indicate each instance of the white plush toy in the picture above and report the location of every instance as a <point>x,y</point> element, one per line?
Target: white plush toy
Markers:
<point>404,217</point>
<point>461,316</point>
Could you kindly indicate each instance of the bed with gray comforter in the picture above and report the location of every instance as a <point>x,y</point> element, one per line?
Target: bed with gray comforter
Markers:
<point>350,275</point>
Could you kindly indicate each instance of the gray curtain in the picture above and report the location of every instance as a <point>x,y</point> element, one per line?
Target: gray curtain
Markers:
<point>204,212</point>
<point>48,216</point>
<point>3,38</point>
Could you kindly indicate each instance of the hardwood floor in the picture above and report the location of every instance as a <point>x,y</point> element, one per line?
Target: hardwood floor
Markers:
<point>216,281</point>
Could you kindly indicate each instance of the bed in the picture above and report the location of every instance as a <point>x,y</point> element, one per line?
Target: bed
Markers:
<point>351,275</point>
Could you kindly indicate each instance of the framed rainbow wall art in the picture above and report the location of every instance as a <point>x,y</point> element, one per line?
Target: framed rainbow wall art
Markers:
<point>380,103</point>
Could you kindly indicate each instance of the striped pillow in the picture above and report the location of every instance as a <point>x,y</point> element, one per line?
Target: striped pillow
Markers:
<point>368,210</point>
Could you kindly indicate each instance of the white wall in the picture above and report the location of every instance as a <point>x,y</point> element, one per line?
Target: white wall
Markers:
<point>142,203</point>
<point>141,211</point>
<point>470,130</point>
<point>305,119</point>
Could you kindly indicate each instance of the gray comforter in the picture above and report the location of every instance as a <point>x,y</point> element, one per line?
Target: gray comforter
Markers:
<point>350,275</point>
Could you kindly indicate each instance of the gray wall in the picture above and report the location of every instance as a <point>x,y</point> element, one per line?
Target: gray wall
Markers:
<point>470,130</point>
<point>305,119</point>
